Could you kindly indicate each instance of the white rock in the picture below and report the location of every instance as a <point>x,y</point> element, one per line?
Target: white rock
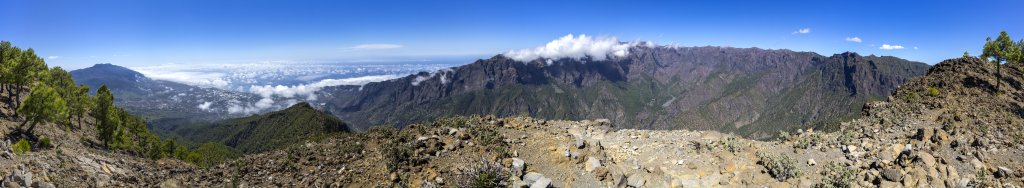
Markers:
<point>532,177</point>
<point>518,165</point>
<point>541,183</point>
<point>811,162</point>
<point>592,163</point>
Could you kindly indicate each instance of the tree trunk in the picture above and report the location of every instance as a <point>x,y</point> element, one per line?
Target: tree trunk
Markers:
<point>17,99</point>
<point>32,126</point>
<point>999,76</point>
<point>22,125</point>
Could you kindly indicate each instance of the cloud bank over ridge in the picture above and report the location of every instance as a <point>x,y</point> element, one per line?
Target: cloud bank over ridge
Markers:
<point>576,47</point>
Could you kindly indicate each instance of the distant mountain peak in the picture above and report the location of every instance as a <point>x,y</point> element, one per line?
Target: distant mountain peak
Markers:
<point>111,70</point>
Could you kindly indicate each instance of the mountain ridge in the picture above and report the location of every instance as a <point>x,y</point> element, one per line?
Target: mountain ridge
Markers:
<point>262,132</point>
<point>648,88</point>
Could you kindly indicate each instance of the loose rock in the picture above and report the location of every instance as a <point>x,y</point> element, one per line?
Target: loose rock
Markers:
<point>892,175</point>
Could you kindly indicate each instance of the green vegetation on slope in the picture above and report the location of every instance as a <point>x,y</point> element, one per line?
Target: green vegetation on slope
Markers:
<point>264,132</point>
<point>54,98</point>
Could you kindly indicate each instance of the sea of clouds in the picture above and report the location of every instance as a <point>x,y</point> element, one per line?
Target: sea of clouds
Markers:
<point>279,85</point>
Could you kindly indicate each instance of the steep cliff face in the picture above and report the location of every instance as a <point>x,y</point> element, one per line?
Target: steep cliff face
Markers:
<point>750,91</point>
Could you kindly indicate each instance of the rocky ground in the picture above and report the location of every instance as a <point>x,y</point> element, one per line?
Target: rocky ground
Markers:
<point>74,161</point>
<point>952,128</point>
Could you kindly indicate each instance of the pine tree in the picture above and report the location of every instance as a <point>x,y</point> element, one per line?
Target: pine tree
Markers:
<point>9,58</point>
<point>79,103</point>
<point>27,69</point>
<point>62,82</point>
<point>5,63</point>
<point>108,121</point>
<point>44,104</point>
<point>998,51</point>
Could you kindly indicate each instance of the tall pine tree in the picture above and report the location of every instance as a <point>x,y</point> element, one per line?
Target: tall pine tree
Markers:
<point>107,117</point>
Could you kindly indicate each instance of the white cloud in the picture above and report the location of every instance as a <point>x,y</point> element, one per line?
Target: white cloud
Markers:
<point>376,46</point>
<point>181,74</point>
<point>570,46</point>
<point>416,81</point>
<point>915,47</point>
<point>205,106</point>
<point>236,107</point>
<point>442,74</point>
<point>802,31</point>
<point>853,39</point>
<point>264,103</point>
<point>309,90</point>
<point>890,47</point>
<point>52,57</point>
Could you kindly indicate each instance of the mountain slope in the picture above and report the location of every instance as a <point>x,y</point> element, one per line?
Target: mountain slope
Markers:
<point>264,132</point>
<point>749,91</point>
<point>161,102</point>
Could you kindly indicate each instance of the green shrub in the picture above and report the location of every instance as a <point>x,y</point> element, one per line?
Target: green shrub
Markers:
<point>731,144</point>
<point>397,155</point>
<point>802,143</point>
<point>837,176</point>
<point>485,135</point>
<point>45,143</point>
<point>781,167</point>
<point>933,91</point>
<point>21,147</point>
<point>783,136</point>
<point>912,96</point>
<point>484,174</point>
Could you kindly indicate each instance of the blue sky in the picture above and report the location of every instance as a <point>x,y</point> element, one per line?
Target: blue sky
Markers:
<point>76,34</point>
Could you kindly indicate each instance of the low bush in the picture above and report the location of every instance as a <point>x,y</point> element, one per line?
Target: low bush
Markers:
<point>21,147</point>
<point>45,143</point>
<point>731,144</point>
<point>802,143</point>
<point>484,174</point>
<point>837,176</point>
<point>397,155</point>
<point>781,167</point>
